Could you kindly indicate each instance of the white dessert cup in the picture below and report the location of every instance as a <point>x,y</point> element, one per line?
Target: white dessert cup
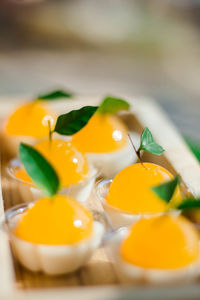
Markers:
<point>129,274</point>
<point>113,162</point>
<point>50,259</point>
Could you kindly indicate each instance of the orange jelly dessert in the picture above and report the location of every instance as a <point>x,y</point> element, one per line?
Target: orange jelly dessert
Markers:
<point>131,191</point>
<point>28,120</point>
<point>164,242</point>
<point>55,221</point>
<point>103,133</point>
<point>69,163</point>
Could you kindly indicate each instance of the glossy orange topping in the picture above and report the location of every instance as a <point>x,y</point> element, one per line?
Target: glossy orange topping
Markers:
<point>70,164</point>
<point>131,191</point>
<point>22,175</point>
<point>55,221</point>
<point>28,120</point>
<point>103,133</point>
<point>164,242</point>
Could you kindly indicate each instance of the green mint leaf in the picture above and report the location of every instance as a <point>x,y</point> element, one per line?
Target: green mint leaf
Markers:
<point>148,144</point>
<point>72,122</point>
<point>166,190</point>
<point>189,203</point>
<point>39,169</point>
<point>75,120</point>
<point>112,105</point>
<point>54,95</point>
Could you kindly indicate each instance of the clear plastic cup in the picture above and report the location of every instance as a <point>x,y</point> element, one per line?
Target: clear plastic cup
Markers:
<point>118,218</point>
<point>80,191</point>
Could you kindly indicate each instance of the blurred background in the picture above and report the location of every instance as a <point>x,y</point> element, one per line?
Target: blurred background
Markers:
<point>136,47</point>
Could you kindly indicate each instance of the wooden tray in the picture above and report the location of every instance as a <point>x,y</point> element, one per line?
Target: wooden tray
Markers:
<point>96,280</point>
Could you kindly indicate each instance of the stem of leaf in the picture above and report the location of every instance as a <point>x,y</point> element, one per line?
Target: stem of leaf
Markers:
<point>137,152</point>
<point>50,132</point>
